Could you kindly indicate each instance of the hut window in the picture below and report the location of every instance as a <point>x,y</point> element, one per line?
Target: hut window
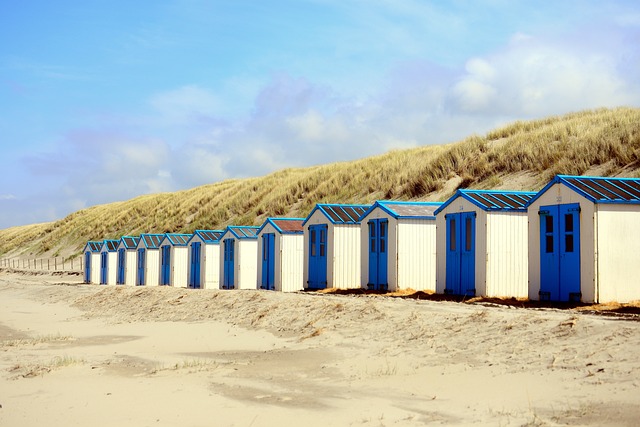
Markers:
<point>322,244</point>
<point>568,223</point>
<point>383,229</point>
<point>549,223</point>
<point>452,234</point>
<point>313,242</point>
<point>549,244</point>
<point>568,242</point>
<point>468,228</point>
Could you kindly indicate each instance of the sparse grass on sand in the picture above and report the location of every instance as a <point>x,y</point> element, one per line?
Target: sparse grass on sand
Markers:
<point>38,369</point>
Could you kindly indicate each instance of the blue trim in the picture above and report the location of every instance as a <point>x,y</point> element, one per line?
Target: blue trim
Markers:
<point>278,229</point>
<point>142,240</point>
<point>123,243</point>
<point>322,206</point>
<point>383,204</point>
<point>562,179</point>
<point>174,239</point>
<point>93,246</point>
<point>105,245</point>
<point>465,195</point>
<point>198,233</point>
<point>234,229</point>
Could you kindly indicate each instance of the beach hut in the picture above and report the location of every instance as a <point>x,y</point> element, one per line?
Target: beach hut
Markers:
<point>239,263</point>
<point>127,260</point>
<point>174,258</point>
<point>281,249</point>
<point>584,245</point>
<point>108,262</point>
<point>332,246</point>
<point>399,246</point>
<point>148,259</point>
<point>204,259</point>
<point>482,244</point>
<point>92,261</point>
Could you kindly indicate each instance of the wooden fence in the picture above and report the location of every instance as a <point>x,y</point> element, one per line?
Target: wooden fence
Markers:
<point>48,264</point>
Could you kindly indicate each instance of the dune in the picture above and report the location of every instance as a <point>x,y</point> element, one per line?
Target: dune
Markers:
<point>75,354</point>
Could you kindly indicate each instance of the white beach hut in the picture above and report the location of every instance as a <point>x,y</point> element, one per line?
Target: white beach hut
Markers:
<point>204,259</point>
<point>332,246</point>
<point>281,254</point>
<point>584,244</point>
<point>127,260</point>
<point>239,263</point>
<point>482,244</point>
<point>108,262</point>
<point>174,260</point>
<point>399,246</point>
<point>148,260</point>
<point>92,261</point>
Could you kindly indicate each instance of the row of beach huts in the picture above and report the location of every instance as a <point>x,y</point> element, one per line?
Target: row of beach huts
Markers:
<point>578,239</point>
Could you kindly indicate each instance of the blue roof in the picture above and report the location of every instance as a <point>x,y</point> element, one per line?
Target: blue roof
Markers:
<point>129,242</point>
<point>493,200</point>
<point>151,241</point>
<point>284,225</point>
<point>93,246</point>
<point>208,236</point>
<point>599,189</point>
<point>243,231</point>
<point>178,239</point>
<point>399,210</point>
<point>340,214</point>
<point>110,245</point>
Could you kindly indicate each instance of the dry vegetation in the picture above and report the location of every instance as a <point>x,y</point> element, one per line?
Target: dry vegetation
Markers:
<point>606,141</point>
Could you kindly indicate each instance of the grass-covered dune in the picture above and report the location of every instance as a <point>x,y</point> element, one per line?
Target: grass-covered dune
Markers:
<point>521,156</point>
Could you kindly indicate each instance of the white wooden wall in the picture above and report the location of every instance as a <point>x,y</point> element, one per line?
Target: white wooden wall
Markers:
<point>246,266</point>
<point>130,267</point>
<point>112,267</point>
<point>179,266</point>
<point>344,255</point>
<point>152,267</point>
<point>415,240</point>
<point>289,253</point>
<point>95,268</point>
<point>507,255</point>
<point>618,249</point>
<point>210,266</point>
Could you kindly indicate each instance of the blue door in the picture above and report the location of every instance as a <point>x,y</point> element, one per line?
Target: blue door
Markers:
<point>317,256</point>
<point>103,268</point>
<point>461,254</point>
<point>560,252</point>
<point>87,267</point>
<point>141,265</point>
<point>229,248</point>
<point>378,254</point>
<point>194,272</point>
<point>268,261</point>
<point>165,266</point>
<point>121,265</point>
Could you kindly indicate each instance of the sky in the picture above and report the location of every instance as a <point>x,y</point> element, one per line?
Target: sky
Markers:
<point>102,101</point>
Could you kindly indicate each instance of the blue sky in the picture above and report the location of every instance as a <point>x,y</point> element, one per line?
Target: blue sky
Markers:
<point>103,101</point>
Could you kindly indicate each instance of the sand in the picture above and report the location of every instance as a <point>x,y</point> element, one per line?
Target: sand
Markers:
<point>80,355</point>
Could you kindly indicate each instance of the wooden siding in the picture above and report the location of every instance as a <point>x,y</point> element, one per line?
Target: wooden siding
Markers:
<point>246,266</point>
<point>343,252</point>
<point>617,246</point>
<point>179,266</point>
<point>507,255</point>
<point>416,254</point>
<point>289,253</point>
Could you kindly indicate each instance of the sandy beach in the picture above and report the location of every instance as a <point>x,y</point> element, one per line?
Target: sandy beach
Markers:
<point>78,355</point>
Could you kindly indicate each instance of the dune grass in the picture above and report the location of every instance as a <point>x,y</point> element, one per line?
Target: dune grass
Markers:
<point>570,144</point>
